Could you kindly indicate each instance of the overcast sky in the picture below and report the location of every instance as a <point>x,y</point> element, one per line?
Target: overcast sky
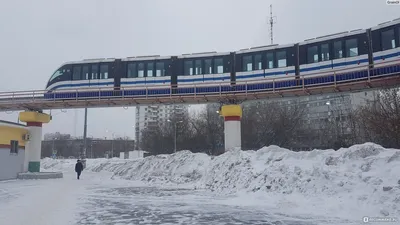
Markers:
<point>38,36</point>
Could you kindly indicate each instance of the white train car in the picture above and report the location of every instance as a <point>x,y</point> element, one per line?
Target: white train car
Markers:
<point>386,45</point>
<point>146,75</point>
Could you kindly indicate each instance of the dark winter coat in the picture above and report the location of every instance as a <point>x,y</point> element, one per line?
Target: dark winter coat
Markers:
<point>78,167</point>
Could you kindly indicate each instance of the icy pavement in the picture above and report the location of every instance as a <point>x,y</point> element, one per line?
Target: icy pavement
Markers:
<point>98,199</point>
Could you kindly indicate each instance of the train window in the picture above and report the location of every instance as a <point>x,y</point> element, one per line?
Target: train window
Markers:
<point>218,65</point>
<point>140,69</point>
<point>281,58</point>
<point>388,40</point>
<point>270,60</point>
<point>150,68</point>
<point>160,70</point>
<point>188,70</point>
<point>258,62</point>
<point>312,54</point>
<point>95,72</point>
<point>197,67</point>
<point>337,50</point>
<point>132,72</point>
<point>247,63</point>
<point>103,71</point>
<point>351,47</point>
<point>76,73</point>
<point>207,66</point>
<point>325,52</point>
<point>85,72</point>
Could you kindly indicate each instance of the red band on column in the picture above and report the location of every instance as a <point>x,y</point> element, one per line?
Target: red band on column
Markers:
<point>34,124</point>
<point>232,118</point>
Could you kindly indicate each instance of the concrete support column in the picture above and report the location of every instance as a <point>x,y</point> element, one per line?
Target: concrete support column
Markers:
<point>33,147</point>
<point>232,115</point>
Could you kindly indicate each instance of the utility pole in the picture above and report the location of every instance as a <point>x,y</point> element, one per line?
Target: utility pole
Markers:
<point>175,139</point>
<point>271,22</point>
<point>112,147</point>
<point>84,135</point>
<point>175,128</point>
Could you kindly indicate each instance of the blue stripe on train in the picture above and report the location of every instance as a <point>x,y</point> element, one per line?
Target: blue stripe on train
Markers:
<point>388,56</point>
<point>264,74</point>
<point>83,85</point>
<point>333,65</point>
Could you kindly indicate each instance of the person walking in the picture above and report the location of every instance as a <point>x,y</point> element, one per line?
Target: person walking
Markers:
<point>78,168</point>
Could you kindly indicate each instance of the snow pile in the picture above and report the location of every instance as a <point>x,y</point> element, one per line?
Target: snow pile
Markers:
<point>367,175</point>
<point>181,168</point>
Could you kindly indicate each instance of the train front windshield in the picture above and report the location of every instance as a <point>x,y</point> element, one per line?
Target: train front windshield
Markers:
<point>59,72</point>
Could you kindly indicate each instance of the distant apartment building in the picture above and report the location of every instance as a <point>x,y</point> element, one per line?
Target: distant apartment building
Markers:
<point>325,108</point>
<point>153,115</point>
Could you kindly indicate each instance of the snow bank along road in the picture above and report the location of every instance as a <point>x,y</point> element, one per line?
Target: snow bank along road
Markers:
<point>269,186</point>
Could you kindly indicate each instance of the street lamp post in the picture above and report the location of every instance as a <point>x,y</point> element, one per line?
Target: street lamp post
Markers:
<point>175,133</point>
<point>53,149</point>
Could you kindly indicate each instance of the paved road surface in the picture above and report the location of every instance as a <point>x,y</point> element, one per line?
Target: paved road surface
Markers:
<point>97,199</point>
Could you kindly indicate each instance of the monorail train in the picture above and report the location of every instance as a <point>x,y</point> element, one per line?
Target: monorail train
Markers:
<point>245,70</point>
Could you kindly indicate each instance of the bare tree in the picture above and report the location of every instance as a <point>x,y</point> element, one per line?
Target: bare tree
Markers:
<point>272,123</point>
<point>207,131</point>
<point>380,119</point>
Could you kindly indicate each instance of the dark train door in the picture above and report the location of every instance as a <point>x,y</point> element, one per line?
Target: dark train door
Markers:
<point>117,73</point>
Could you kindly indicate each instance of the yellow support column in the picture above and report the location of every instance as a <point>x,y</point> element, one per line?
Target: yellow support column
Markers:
<point>34,121</point>
<point>232,115</point>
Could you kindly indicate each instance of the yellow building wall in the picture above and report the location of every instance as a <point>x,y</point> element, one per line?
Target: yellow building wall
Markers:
<point>8,133</point>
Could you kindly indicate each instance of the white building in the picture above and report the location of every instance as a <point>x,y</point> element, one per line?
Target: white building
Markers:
<point>327,107</point>
<point>153,115</point>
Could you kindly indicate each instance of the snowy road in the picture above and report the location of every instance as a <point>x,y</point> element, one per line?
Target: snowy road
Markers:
<point>97,199</point>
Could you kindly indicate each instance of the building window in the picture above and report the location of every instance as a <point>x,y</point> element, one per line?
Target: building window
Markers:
<point>14,147</point>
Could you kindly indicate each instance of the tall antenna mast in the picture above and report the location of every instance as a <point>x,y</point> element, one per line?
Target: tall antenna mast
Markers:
<point>271,22</point>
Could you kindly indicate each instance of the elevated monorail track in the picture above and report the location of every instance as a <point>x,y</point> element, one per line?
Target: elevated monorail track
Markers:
<point>34,100</point>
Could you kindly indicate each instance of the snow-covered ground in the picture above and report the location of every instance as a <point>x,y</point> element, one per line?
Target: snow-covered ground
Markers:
<point>363,180</point>
<point>269,186</point>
